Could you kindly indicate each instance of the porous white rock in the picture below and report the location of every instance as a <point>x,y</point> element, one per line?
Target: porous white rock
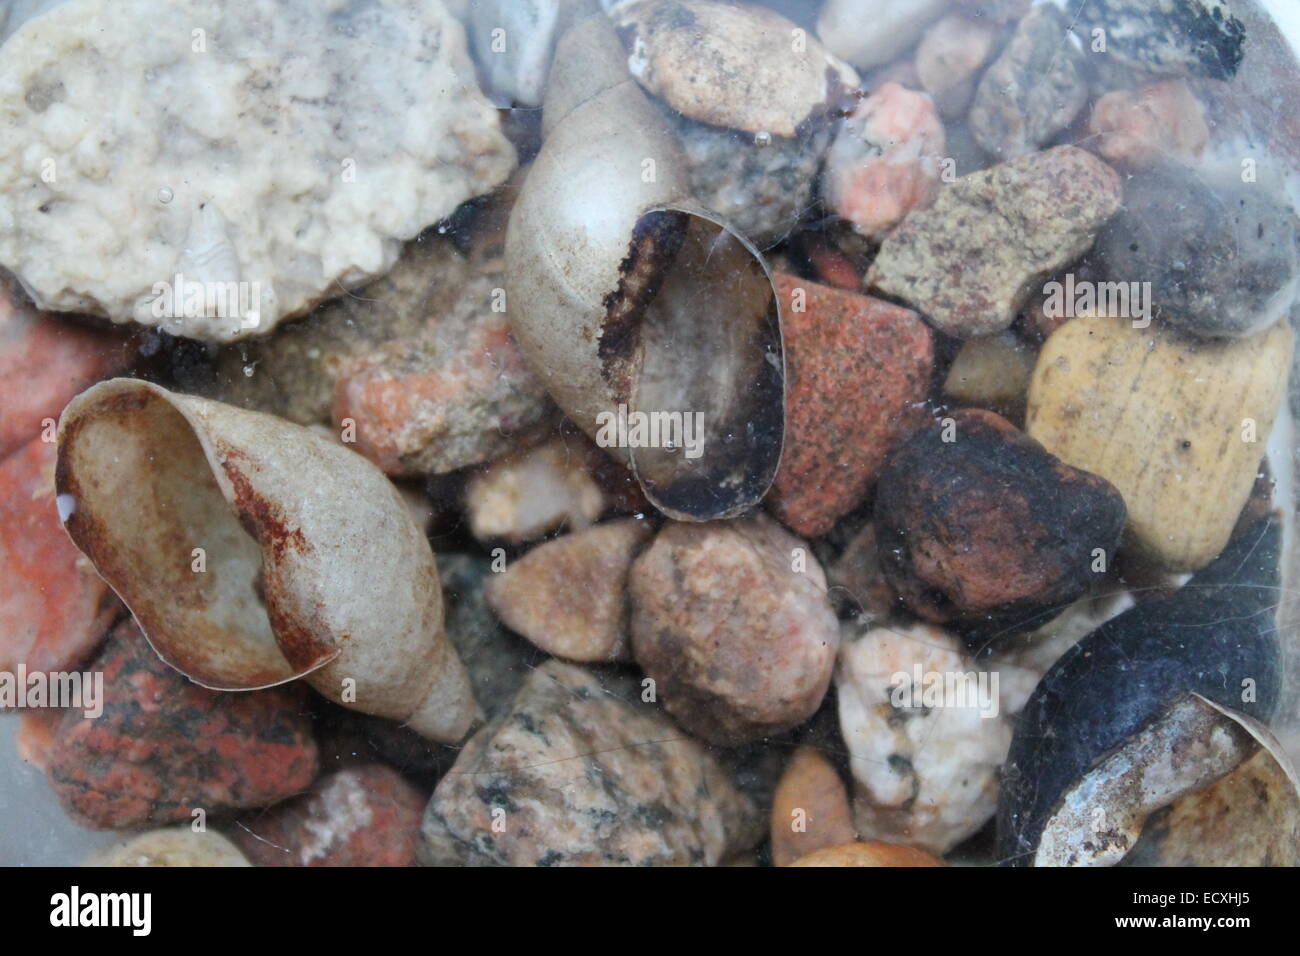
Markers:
<point>286,147</point>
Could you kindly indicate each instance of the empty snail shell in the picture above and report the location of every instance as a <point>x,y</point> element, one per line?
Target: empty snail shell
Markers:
<point>631,301</point>
<point>253,551</point>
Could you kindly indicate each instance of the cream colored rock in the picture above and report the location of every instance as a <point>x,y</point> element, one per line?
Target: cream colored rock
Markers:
<point>180,846</point>
<point>949,59</point>
<point>925,762</point>
<point>272,153</point>
<point>1177,425</point>
<point>871,33</point>
<point>522,497</point>
<point>739,66</point>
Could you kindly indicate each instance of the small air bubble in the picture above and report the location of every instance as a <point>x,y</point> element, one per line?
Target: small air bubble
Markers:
<point>763,138</point>
<point>165,195</point>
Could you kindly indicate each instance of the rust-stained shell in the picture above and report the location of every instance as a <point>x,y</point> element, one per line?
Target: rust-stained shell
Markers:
<point>622,291</point>
<point>743,67</point>
<point>252,551</point>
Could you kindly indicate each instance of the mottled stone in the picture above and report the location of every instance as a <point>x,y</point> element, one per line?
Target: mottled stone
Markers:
<point>977,524</point>
<point>1034,89</point>
<point>522,497</point>
<point>925,769</point>
<point>54,608</point>
<point>950,57</point>
<point>44,361</point>
<point>1137,129</point>
<point>1169,37</point>
<point>1218,255</point>
<point>362,816</point>
<point>573,775</point>
<point>868,854</point>
<point>858,369</point>
<point>1185,454</point>
<point>885,161</point>
<point>811,808</point>
<point>181,846</point>
<point>569,596</point>
<point>457,394</point>
<point>342,132</point>
<point>164,747</point>
<point>970,261</point>
<point>732,622</point>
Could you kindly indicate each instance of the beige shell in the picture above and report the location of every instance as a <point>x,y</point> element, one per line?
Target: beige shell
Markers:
<point>744,67</point>
<point>622,291</point>
<point>252,551</point>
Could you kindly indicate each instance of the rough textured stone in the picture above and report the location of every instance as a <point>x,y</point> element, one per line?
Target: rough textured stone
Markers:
<point>345,130</point>
<point>926,775</point>
<point>54,608</point>
<point>885,160</point>
<point>164,747</point>
<point>1033,91</point>
<point>574,775</point>
<point>950,57</point>
<point>44,361</point>
<point>456,395</point>
<point>857,371</point>
<point>569,596</point>
<point>811,808</point>
<point>1180,454</point>
<point>181,846</point>
<point>970,261</point>
<point>732,622</point>
<point>522,497</point>
<point>1169,37</point>
<point>977,524</point>
<point>361,816</point>
<point>1141,128</point>
<point>1218,255</point>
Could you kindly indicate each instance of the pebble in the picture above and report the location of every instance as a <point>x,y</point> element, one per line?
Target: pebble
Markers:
<point>978,525</point>
<point>524,496</point>
<point>164,747</point>
<point>950,57</point>
<point>810,810</point>
<point>732,622</point>
<point>992,372</point>
<point>175,846</point>
<point>925,776</point>
<point>297,167</point>
<point>44,362</point>
<point>885,160</point>
<point>1218,255</point>
<point>362,816</point>
<point>54,608</point>
<point>857,371</point>
<point>868,854</point>
<point>970,261</point>
<point>576,775</point>
<point>1178,455</point>
<point>1169,37</point>
<point>871,33</point>
<point>457,395</point>
<point>1034,89</point>
<point>857,581</point>
<point>1138,129</point>
<point>999,11</point>
<point>569,595</point>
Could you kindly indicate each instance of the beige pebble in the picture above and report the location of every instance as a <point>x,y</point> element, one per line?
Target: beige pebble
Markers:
<point>810,809</point>
<point>1177,425</point>
<point>991,373</point>
<point>522,497</point>
<point>869,854</point>
<point>179,846</point>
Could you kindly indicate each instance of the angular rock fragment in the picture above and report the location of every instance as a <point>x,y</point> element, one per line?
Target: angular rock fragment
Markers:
<point>345,131</point>
<point>1141,128</point>
<point>970,261</point>
<point>1169,37</point>
<point>1033,90</point>
<point>978,525</point>
<point>569,596</point>
<point>54,608</point>
<point>524,496</point>
<point>362,816</point>
<point>732,622</point>
<point>925,764</point>
<point>857,371</point>
<point>1186,453</point>
<point>164,747</point>
<point>573,775</point>
<point>810,810</point>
